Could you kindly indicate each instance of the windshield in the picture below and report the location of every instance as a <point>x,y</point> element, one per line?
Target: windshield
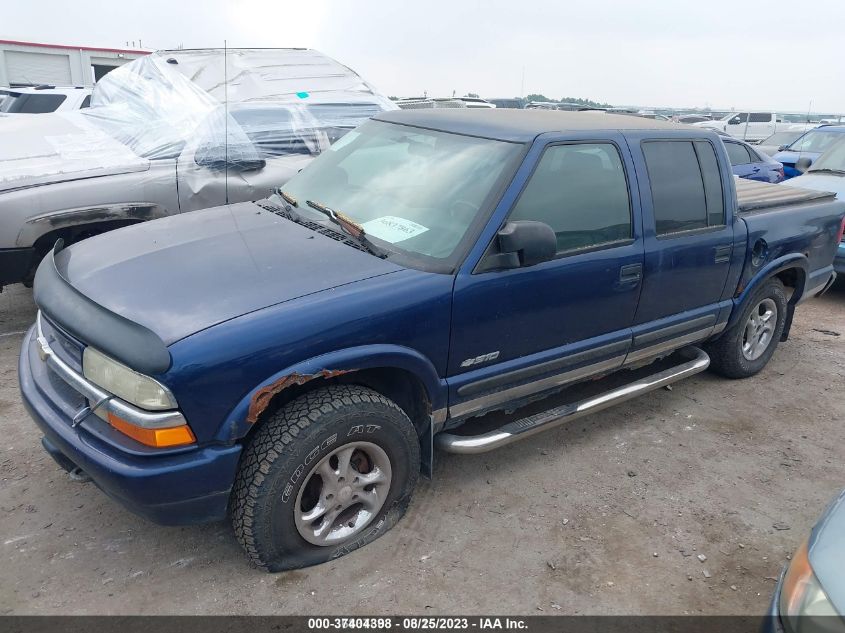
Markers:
<point>816,141</point>
<point>157,110</point>
<point>782,138</point>
<point>29,103</point>
<point>415,192</point>
<point>796,118</point>
<point>833,159</point>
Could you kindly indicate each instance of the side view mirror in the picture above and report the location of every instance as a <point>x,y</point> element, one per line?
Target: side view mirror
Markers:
<point>522,243</point>
<point>236,157</point>
<point>782,148</point>
<point>803,164</point>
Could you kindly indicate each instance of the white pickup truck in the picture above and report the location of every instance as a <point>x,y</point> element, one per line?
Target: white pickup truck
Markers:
<point>748,126</point>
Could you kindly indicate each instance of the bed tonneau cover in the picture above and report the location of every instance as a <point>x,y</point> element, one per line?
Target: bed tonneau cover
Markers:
<point>755,196</point>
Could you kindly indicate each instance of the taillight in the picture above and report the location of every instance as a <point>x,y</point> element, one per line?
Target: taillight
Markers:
<point>841,231</point>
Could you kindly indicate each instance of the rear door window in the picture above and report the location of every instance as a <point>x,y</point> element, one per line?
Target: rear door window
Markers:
<point>686,187</point>
<point>737,153</point>
<point>761,117</point>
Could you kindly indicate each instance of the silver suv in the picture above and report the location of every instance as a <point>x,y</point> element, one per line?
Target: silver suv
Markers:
<point>170,132</point>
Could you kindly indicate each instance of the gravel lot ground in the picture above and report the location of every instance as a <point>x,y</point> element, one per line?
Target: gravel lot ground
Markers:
<point>607,515</point>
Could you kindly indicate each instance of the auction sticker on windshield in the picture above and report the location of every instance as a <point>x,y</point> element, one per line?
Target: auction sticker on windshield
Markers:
<point>392,229</point>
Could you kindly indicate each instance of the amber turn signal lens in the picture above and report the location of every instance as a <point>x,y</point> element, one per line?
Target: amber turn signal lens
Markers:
<point>159,438</point>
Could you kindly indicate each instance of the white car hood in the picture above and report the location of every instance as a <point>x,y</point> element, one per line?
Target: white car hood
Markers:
<point>54,147</point>
<point>819,182</point>
<point>711,125</point>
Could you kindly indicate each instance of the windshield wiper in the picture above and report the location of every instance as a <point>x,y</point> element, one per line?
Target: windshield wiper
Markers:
<point>824,170</point>
<point>287,197</point>
<point>349,226</point>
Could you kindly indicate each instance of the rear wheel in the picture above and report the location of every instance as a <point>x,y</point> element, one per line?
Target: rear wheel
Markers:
<point>329,472</point>
<point>745,349</point>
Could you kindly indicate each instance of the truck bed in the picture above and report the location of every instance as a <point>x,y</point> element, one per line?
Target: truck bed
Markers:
<point>753,196</point>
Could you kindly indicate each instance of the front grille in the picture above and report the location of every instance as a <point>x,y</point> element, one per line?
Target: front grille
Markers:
<point>63,344</point>
<point>314,226</point>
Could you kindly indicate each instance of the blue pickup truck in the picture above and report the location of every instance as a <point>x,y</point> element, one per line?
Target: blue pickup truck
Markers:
<point>438,279</point>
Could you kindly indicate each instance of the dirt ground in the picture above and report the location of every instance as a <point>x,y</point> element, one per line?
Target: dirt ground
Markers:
<point>605,516</point>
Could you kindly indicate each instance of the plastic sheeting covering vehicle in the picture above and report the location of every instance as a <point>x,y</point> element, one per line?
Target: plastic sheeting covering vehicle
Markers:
<point>170,132</point>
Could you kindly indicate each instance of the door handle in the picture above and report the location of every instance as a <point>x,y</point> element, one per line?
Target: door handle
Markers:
<point>631,273</point>
<point>722,254</point>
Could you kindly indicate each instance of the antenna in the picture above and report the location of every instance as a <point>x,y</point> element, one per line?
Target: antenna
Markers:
<point>226,121</point>
<point>806,120</point>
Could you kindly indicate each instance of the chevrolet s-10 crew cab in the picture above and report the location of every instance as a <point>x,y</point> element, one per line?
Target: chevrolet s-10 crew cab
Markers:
<point>438,278</point>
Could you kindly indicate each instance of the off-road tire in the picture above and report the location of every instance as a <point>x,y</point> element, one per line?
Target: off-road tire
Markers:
<point>281,453</point>
<point>726,357</point>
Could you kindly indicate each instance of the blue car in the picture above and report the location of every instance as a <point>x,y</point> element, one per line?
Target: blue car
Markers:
<point>746,162</point>
<point>828,174</point>
<point>809,146</point>
<point>810,595</point>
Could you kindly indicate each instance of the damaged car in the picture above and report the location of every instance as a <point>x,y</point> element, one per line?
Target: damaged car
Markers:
<point>171,132</point>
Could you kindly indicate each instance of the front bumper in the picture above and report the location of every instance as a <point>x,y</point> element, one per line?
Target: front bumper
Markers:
<point>168,487</point>
<point>771,622</point>
<point>15,264</point>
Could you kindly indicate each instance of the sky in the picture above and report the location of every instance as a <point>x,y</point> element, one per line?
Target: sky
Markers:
<point>760,54</point>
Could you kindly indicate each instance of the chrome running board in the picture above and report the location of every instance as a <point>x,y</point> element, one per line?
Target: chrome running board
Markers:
<point>697,361</point>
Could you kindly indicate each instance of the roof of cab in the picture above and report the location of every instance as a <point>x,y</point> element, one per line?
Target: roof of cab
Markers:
<point>520,126</point>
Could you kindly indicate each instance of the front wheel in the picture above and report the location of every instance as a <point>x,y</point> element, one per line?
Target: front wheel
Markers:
<point>329,472</point>
<point>745,349</point>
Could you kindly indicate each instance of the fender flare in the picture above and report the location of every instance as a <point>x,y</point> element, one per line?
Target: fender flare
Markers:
<point>792,261</point>
<point>346,361</point>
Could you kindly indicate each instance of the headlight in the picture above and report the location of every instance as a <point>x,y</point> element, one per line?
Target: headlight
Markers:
<point>135,388</point>
<point>804,606</point>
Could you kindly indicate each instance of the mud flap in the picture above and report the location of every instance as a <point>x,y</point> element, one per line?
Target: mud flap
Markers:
<point>790,312</point>
<point>427,451</point>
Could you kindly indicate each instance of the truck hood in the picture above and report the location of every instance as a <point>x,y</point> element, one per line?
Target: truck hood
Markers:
<point>41,149</point>
<point>182,274</point>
